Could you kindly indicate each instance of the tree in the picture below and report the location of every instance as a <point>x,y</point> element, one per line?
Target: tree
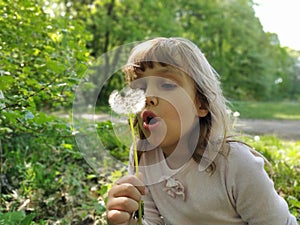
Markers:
<point>114,23</point>
<point>228,32</point>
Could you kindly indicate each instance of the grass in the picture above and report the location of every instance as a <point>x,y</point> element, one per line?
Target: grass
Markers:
<point>267,110</point>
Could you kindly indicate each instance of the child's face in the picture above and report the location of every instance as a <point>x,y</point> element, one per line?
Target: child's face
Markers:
<point>172,109</point>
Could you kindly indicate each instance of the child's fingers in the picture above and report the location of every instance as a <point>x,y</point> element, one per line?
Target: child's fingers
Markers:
<point>135,181</point>
<point>123,204</point>
<point>123,199</point>
<point>127,190</point>
<point>118,217</point>
<point>120,209</point>
<point>140,176</point>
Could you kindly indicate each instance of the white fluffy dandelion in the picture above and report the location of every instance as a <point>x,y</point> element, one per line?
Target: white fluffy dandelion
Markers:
<point>256,138</point>
<point>235,115</point>
<point>128,101</point>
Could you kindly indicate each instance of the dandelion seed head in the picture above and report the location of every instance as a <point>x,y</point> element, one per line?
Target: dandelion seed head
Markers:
<point>127,101</point>
<point>278,80</point>
<point>236,114</point>
<point>256,138</point>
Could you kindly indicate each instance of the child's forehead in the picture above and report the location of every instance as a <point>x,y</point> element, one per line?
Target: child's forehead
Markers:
<point>162,73</point>
<point>160,70</point>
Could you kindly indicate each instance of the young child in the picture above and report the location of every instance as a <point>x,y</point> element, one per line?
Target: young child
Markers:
<point>191,173</point>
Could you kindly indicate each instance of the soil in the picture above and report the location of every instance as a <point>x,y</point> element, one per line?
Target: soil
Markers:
<point>286,129</point>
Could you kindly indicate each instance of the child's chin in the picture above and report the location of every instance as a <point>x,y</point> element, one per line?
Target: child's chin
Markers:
<point>155,141</point>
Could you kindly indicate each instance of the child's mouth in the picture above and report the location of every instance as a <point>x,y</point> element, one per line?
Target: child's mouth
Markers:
<point>150,120</point>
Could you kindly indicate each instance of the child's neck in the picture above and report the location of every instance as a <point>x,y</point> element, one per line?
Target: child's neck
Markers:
<point>178,155</point>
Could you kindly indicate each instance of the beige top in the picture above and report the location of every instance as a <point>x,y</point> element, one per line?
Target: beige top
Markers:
<point>239,192</point>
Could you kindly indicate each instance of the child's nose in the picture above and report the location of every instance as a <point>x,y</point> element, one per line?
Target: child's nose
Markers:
<point>151,101</point>
<point>151,92</point>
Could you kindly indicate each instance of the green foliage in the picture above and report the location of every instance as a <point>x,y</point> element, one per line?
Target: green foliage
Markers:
<point>111,142</point>
<point>248,60</point>
<point>42,58</point>
<point>48,180</point>
<point>252,64</point>
<point>116,23</point>
<point>13,218</point>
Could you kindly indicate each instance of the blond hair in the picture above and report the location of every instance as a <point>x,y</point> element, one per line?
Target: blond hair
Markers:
<point>188,58</point>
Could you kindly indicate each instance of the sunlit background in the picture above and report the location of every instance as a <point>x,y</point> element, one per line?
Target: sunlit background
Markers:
<point>281,17</point>
<point>57,70</point>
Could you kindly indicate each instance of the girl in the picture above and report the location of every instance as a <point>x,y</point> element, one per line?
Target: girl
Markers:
<point>191,172</point>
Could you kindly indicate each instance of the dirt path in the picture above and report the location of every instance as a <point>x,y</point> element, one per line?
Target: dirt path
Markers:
<point>286,129</point>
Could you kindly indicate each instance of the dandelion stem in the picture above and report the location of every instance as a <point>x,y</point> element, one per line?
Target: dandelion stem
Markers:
<point>136,162</point>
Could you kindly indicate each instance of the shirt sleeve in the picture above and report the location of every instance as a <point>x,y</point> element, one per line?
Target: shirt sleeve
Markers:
<point>253,192</point>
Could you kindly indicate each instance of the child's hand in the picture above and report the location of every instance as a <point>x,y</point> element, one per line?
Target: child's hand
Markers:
<point>123,199</point>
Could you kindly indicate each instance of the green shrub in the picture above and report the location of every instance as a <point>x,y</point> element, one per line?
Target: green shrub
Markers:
<point>109,139</point>
<point>16,218</point>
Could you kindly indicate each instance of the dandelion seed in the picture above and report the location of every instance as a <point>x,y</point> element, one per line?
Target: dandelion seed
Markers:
<point>256,138</point>
<point>128,101</point>
<point>278,80</point>
<point>75,132</point>
<point>236,114</point>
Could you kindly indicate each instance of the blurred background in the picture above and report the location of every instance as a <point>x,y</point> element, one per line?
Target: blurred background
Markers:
<point>46,49</point>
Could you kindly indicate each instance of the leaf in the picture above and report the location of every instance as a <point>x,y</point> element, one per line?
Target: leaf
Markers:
<point>5,82</point>
<point>28,219</point>
<point>294,201</point>
<point>91,176</point>
<point>5,130</point>
<point>12,217</point>
<point>42,118</point>
<point>67,146</point>
<point>56,67</point>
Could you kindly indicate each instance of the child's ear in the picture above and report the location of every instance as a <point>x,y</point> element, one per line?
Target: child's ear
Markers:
<point>202,112</point>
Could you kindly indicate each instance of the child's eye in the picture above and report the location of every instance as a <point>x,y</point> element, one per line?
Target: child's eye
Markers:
<point>168,86</point>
